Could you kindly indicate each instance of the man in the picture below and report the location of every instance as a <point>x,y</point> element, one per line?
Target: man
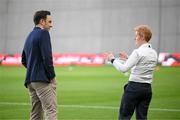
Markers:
<point>40,75</point>
<point>137,93</point>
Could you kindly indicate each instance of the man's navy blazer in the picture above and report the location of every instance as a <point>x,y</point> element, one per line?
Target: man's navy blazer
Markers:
<point>37,57</point>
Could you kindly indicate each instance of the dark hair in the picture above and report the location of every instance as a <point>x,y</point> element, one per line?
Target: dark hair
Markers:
<point>42,14</point>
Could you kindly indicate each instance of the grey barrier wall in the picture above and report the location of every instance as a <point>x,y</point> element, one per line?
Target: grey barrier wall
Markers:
<point>92,26</point>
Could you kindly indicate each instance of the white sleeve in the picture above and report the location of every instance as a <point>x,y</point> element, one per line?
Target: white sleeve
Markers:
<point>131,61</point>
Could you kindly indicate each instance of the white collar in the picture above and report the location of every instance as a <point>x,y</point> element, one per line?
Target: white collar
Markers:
<point>145,45</point>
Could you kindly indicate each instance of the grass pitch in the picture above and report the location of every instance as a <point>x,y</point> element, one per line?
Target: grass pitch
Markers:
<point>90,93</point>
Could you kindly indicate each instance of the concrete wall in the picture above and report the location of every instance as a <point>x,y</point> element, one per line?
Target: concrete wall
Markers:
<point>92,26</point>
<point>170,26</point>
<point>3,25</point>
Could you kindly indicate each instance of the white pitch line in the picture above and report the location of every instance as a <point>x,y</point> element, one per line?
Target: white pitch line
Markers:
<point>90,107</point>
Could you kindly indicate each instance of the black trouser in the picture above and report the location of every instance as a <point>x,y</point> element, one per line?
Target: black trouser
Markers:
<point>137,96</point>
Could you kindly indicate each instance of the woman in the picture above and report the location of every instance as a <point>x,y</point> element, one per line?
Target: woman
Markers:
<point>142,62</point>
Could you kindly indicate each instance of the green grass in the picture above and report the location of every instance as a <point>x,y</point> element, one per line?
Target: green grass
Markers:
<point>81,88</point>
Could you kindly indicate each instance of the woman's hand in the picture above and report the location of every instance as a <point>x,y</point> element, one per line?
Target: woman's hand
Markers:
<point>123,56</point>
<point>109,56</point>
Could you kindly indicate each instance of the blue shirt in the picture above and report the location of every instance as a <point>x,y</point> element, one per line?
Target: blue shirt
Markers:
<point>37,57</point>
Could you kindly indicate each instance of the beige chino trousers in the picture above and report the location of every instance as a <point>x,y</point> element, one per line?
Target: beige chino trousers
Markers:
<point>44,100</point>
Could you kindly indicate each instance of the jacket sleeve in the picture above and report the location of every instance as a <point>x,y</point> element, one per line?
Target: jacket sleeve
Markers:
<point>23,60</point>
<point>131,61</point>
<point>46,54</point>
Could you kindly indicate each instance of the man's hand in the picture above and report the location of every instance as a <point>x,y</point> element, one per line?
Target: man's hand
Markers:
<point>109,56</point>
<point>53,80</point>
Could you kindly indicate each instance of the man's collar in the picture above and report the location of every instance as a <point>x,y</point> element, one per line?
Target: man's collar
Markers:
<point>37,27</point>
